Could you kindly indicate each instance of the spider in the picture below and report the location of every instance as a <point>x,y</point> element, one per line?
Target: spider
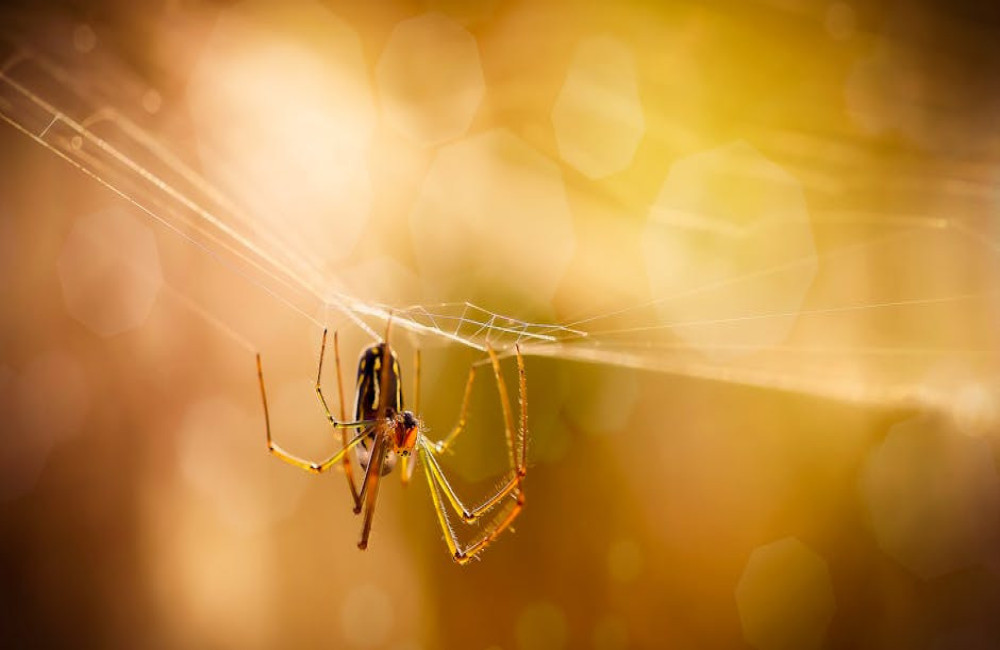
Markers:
<point>385,431</point>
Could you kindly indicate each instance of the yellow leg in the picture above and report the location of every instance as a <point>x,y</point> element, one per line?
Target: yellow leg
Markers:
<point>517,448</point>
<point>309,466</point>
<point>348,471</point>
<point>505,403</point>
<point>409,464</point>
<point>416,381</point>
<point>463,554</point>
<point>522,402</point>
<point>492,533</point>
<point>460,425</point>
<point>468,515</point>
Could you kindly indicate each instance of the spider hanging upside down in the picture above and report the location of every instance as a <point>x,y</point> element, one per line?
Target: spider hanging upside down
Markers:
<point>385,431</point>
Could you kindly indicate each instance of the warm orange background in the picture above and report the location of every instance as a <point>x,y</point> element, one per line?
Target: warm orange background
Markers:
<point>792,442</point>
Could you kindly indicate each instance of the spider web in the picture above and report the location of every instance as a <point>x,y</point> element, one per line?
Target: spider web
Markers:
<point>75,118</point>
<point>78,122</point>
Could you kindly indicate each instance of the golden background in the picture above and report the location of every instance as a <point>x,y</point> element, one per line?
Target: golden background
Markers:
<point>773,224</point>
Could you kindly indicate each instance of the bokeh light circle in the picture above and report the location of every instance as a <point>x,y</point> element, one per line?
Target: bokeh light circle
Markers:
<point>109,269</point>
<point>785,597</point>
<point>541,626</point>
<point>429,79</point>
<point>281,100</point>
<point>932,496</point>
<point>492,212</point>
<point>729,251</point>
<point>598,117</point>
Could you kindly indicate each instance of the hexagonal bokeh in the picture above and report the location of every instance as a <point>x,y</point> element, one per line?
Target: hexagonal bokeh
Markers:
<point>785,597</point>
<point>880,92</point>
<point>282,103</point>
<point>492,212</point>
<point>109,269</point>
<point>598,116</point>
<point>429,78</point>
<point>729,251</point>
<point>902,86</point>
<point>932,495</point>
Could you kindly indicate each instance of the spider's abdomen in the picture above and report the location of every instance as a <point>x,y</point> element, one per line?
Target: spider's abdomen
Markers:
<point>369,396</point>
<point>370,384</point>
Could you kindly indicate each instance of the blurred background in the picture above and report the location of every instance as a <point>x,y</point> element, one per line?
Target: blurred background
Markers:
<point>749,249</point>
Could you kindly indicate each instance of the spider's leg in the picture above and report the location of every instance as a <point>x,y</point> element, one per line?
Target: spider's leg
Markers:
<point>443,445</point>
<point>462,554</point>
<point>343,431</point>
<point>468,515</point>
<point>459,427</point>
<point>437,481</point>
<point>416,381</point>
<point>522,405</point>
<point>301,463</point>
<point>369,490</point>
<point>517,449</point>
<point>373,474</point>
<point>409,464</point>
<point>518,457</point>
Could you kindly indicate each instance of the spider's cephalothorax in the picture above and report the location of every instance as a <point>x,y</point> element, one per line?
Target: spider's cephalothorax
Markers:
<point>384,431</point>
